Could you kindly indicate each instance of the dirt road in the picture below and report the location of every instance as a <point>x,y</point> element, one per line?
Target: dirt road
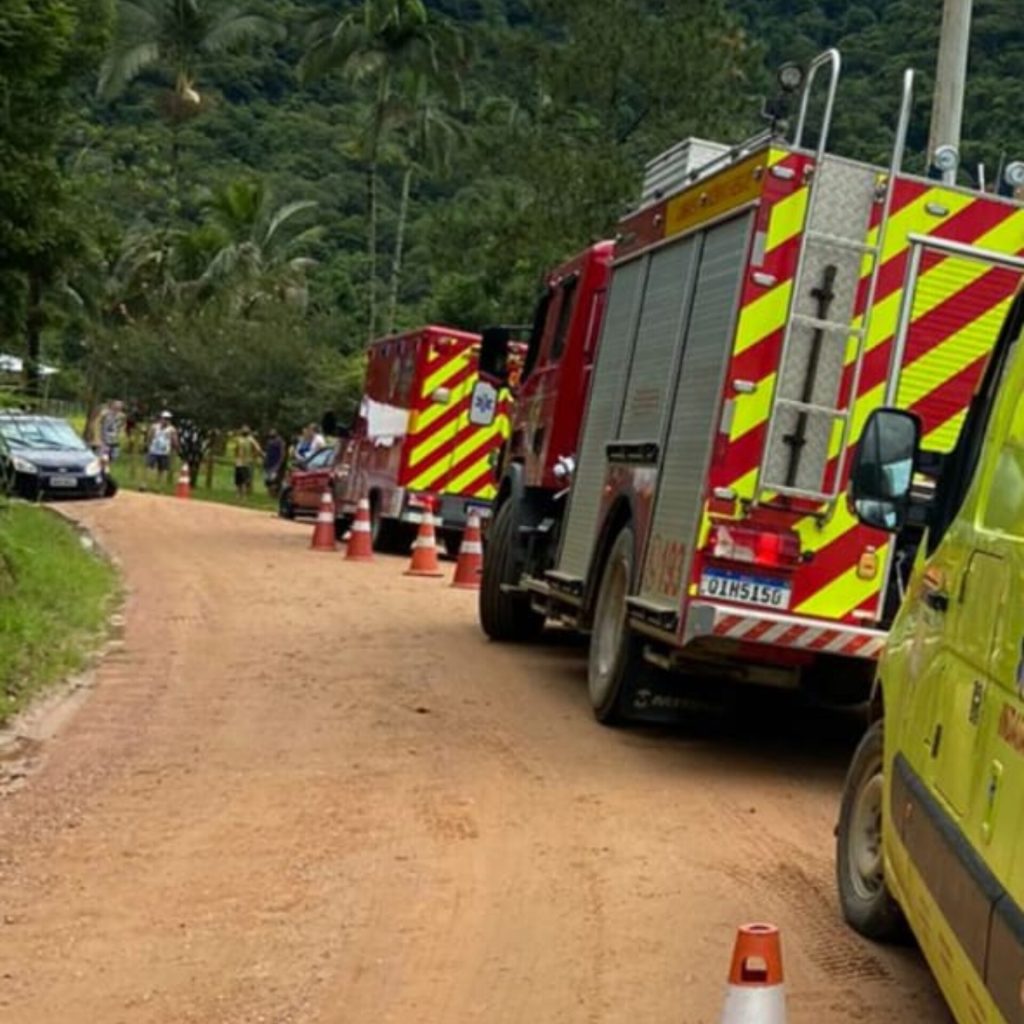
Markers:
<point>306,792</point>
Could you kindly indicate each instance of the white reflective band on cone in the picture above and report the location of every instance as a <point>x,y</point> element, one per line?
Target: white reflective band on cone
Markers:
<point>471,547</point>
<point>754,1004</point>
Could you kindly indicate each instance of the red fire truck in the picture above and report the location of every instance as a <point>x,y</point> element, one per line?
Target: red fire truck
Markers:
<point>427,433</point>
<point>546,419</point>
<point>763,300</point>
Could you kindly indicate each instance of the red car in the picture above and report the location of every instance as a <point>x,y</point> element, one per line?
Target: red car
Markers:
<point>305,484</point>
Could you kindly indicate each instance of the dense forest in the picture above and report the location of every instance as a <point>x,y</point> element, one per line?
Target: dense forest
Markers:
<point>216,204</point>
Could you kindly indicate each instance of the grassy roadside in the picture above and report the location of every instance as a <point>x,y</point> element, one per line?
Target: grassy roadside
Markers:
<point>130,473</point>
<point>54,600</point>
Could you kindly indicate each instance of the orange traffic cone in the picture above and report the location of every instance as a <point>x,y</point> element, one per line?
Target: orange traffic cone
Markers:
<point>424,550</point>
<point>471,557</point>
<point>323,530</point>
<point>360,540</point>
<point>183,488</point>
<point>756,994</point>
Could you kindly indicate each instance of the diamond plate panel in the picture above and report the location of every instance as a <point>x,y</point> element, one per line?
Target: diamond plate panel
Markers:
<point>814,453</point>
<point>842,196</point>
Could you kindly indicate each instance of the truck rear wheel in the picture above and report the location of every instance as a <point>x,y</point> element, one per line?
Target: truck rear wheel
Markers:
<point>614,650</point>
<point>867,904</point>
<point>505,616</point>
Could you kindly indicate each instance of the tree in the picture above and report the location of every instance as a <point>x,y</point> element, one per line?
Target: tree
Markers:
<point>44,45</point>
<point>175,37</point>
<point>390,44</point>
<point>259,250</point>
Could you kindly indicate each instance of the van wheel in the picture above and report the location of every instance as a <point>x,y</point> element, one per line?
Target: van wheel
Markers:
<point>614,651</point>
<point>505,616</point>
<point>865,899</point>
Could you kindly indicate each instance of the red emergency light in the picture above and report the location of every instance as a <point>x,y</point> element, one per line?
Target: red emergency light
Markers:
<point>758,547</point>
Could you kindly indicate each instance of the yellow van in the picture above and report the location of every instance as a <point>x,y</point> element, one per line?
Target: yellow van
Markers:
<point>931,830</point>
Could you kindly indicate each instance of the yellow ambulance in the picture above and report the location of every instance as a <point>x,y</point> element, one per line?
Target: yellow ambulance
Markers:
<point>931,830</point>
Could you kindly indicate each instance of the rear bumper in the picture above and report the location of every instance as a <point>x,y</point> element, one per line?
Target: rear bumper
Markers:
<point>705,620</point>
<point>452,510</point>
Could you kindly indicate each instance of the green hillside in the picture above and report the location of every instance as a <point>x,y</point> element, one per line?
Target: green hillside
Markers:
<point>497,137</point>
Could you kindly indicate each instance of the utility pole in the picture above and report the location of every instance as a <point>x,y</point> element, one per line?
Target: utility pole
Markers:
<point>950,79</point>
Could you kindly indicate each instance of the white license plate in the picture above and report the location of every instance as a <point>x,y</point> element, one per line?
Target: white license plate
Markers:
<point>63,481</point>
<point>735,586</point>
<point>483,511</point>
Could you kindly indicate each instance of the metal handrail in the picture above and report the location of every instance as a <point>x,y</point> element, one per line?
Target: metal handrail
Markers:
<point>832,57</point>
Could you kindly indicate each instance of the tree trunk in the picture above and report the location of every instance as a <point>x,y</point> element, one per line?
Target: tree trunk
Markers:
<point>396,261</point>
<point>371,250</point>
<point>34,320</point>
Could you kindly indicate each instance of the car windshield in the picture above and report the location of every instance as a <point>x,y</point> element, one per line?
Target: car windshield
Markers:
<point>321,460</point>
<point>34,433</point>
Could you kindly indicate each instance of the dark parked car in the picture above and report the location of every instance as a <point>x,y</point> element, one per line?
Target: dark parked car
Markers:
<point>43,457</point>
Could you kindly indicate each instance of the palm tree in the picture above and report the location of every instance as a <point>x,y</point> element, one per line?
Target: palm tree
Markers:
<point>385,43</point>
<point>258,251</point>
<point>432,136</point>
<point>175,37</point>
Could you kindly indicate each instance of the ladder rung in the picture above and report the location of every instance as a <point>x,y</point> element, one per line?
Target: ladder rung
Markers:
<point>797,492</point>
<point>842,243</point>
<point>810,407</point>
<point>828,325</point>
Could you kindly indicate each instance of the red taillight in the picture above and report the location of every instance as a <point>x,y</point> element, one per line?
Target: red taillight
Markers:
<point>758,547</point>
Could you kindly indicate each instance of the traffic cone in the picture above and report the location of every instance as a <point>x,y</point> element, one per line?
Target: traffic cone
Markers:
<point>424,550</point>
<point>360,538</point>
<point>471,557</point>
<point>756,994</point>
<point>323,530</point>
<point>183,488</point>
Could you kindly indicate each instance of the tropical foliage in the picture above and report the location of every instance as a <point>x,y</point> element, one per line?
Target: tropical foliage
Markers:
<point>188,186</point>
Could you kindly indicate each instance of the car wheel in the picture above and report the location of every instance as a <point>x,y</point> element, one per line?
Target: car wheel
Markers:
<point>285,505</point>
<point>866,901</point>
<point>614,651</point>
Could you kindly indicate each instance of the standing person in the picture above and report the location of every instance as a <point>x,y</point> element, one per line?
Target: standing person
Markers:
<point>304,446</point>
<point>161,444</point>
<point>247,450</point>
<point>273,463</point>
<point>318,438</point>
<point>111,427</point>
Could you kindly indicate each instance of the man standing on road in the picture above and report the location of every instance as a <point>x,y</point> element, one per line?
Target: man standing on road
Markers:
<point>161,444</point>
<point>247,453</point>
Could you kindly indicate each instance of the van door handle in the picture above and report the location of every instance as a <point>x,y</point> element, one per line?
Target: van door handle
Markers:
<point>937,600</point>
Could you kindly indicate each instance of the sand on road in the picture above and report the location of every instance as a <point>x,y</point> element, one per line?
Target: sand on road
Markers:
<point>309,792</point>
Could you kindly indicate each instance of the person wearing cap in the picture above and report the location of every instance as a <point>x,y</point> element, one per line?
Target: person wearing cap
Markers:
<point>161,444</point>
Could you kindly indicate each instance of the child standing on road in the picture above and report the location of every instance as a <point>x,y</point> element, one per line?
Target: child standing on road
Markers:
<point>247,453</point>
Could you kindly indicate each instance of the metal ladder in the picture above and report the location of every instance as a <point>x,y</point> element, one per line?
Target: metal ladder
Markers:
<point>811,335</point>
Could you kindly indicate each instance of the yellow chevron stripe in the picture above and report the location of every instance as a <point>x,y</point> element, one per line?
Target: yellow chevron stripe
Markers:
<point>753,409</point>
<point>840,596</point>
<point>425,418</point>
<point>763,316</point>
<point>476,470</point>
<point>439,377</point>
<point>786,220</point>
<point>476,441</point>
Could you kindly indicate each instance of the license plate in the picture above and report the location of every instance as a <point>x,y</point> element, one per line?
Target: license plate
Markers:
<point>735,586</point>
<point>63,481</point>
<point>483,511</point>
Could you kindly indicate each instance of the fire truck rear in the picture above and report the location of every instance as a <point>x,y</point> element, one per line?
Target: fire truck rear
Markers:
<point>546,418</point>
<point>763,300</point>
<point>419,440</point>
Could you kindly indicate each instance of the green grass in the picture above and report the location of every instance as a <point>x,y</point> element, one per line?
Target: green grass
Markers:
<point>129,471</point>
<point>54,600</point>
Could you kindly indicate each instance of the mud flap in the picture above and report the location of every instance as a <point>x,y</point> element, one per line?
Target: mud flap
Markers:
<point>654,696</point>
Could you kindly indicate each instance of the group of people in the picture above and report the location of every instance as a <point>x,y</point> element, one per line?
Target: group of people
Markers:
<point>162,443</point>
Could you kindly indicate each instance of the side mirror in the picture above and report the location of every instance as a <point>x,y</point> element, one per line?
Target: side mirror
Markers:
<point>883,469</point>
<point>441,396</point>
<point>494,354</point>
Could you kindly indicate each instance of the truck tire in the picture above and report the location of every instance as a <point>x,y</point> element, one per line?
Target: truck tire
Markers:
<point>614,651</point>
<point>504,616</point>
<point>865,899</point>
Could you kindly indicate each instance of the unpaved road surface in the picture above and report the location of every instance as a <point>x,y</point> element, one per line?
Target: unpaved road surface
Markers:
<point>305,791</point>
